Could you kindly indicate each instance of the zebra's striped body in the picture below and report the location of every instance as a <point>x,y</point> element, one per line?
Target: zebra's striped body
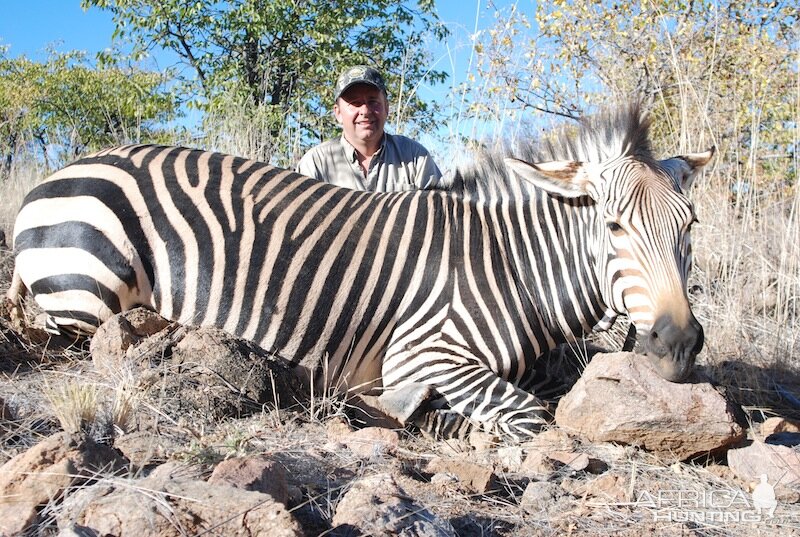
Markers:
<point>459,290</point>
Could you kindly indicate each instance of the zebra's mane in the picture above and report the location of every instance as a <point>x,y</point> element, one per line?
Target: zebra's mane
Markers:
<point>612,133</point>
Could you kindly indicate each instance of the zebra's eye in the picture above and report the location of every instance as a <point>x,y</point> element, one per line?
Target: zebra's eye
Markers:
<point>615,228</point>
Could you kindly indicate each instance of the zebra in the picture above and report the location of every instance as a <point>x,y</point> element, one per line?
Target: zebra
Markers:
<point>453,292</point>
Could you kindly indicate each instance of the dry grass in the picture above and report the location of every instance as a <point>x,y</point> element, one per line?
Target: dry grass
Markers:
<point>75,404</point>
<point>12,191</point>
<point>748,266</point>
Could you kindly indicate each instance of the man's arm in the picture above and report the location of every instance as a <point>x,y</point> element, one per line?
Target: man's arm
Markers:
<point>307,165</point>
<point>428,174</point>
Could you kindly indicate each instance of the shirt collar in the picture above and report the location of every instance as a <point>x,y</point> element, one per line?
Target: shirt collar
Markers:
<point>350,151</point>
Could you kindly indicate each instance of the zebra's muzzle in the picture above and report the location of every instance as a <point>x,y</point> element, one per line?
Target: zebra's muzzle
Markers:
<point>672,348</point>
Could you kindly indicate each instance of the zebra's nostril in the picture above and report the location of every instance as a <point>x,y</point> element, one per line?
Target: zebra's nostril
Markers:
<point>680,342</point>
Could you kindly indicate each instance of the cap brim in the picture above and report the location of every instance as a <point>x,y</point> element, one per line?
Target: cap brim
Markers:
<point>355,83</point>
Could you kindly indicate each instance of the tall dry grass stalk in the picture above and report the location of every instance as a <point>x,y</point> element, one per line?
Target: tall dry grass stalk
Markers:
<point>24,175</point>
<point>747,259</point>
<point>90,407</point>
<point>74,403</point>
<point>238,128</point>
<point>125,399</point>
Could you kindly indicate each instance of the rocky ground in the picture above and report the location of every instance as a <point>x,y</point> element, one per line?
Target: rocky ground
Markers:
<point>159,429</point>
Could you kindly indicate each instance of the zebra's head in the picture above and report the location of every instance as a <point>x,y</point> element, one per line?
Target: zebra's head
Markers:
<point>639,233</point>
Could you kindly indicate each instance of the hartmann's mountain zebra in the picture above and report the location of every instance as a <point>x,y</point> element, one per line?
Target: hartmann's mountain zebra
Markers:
<point>459,289</point>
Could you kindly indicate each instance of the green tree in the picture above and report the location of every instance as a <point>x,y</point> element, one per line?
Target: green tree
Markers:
<point>279,58</point>
<point>66,106</point>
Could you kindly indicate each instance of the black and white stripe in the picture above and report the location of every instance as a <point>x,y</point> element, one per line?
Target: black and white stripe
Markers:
<point>457,289</point>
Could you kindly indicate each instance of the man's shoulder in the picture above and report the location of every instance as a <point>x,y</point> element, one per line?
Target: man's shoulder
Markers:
<point>325,147</point>
<point>406,144</point>
<point>321,159</point>
<point>326,153</point>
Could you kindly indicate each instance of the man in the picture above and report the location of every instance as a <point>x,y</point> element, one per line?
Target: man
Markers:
<point>366,157</point>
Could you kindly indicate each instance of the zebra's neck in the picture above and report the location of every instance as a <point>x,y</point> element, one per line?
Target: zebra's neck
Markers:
<point>536,253</point>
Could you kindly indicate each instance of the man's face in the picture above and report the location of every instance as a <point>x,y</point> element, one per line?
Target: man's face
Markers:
<point>362,111</point>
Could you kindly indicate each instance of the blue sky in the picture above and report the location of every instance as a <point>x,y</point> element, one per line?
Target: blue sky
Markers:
<point>29,26</point>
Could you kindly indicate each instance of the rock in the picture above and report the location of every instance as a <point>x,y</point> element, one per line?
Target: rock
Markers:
<point>453,447</point>
<point>336,429</point>
<point>444,482</point>
<point>140,447</point>
<point>222,376</point>
<point>510,457</point>
<point>199,373</point>
<point>331,447</point>
<point>376,505</point>
<point>548,440</point>
<point>540,496</point>
<point>575,461</point>
<point>145,322</point>
<point>177,471</point>
<point>620,398</point>
<point>538,464</point>
<point>540,461</point>
<point>164,507</point>
<point>776,424</point>
<point>109,344</point>
<point>482,441</point>
<point>475,477</point>
<point>42,474</point>
<point>781,465</point>
<point>368,411</point>
<point>608,488</point>
<point>113,345</point>
<point>258,473</point>
<point>372,442</point>
<point>721,471</point>
<point>368,442</point>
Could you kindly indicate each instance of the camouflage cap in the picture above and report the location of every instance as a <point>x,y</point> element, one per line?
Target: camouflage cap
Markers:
<point>358,74</point>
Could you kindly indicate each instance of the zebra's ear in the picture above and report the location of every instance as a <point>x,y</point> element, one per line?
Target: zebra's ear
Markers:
<point>567,178</point>
<point>684,168</point>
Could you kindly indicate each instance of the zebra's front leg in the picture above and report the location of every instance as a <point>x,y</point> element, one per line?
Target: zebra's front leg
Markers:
<point>469,389</point>
<point>14,296</point>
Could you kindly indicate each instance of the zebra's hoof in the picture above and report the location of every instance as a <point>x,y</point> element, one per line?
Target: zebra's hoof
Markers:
<point>13,312</point>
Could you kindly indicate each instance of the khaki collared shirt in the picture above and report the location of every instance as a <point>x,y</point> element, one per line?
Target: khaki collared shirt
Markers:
<point>399,164</point>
